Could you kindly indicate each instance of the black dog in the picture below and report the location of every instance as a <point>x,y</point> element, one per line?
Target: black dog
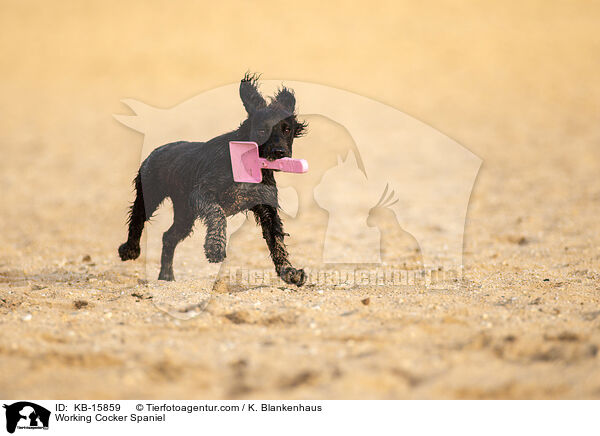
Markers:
<point>198,178</point>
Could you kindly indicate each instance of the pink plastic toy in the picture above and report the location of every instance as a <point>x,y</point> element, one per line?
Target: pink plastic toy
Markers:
<point>247,165</point>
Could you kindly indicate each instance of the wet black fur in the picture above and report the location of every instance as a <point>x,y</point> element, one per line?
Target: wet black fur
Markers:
<point>197,176</point>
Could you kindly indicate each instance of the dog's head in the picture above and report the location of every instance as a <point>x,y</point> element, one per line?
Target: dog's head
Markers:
<point>272,126</point>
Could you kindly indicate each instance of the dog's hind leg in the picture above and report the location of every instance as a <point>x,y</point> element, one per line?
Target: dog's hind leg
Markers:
<point>273,233</point>
<point>183,223</point>
<point>141,210</point>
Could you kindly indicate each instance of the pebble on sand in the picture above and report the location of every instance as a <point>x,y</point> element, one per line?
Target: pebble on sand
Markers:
<point>78,304</point>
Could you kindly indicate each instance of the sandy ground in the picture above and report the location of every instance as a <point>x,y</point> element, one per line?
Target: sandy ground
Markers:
<point>517,85</point>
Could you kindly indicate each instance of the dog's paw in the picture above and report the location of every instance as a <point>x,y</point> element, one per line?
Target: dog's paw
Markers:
<point>293,276</point>
<point>215,252</point>
<point>167,276</point>
<point>127,252</point>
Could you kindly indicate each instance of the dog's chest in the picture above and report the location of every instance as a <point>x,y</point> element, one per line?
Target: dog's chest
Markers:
<point>243,196</point>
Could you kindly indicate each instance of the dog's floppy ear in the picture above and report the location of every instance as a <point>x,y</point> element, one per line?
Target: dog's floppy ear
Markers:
<point>285,98</point>
<point>249,94</point>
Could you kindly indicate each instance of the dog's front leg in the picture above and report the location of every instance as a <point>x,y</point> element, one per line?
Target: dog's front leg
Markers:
<point>273,233</point>
<point>214,218</point>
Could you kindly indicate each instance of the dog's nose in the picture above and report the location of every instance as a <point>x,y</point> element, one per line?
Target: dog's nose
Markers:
<point>278,153</point>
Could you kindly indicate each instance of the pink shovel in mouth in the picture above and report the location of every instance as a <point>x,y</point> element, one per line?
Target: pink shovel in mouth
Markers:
<point>247,165</point>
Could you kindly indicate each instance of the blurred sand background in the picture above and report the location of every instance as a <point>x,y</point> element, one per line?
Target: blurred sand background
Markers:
<point>516,83</point>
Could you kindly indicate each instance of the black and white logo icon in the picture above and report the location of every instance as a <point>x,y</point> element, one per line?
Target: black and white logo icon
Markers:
<point>26,415</point>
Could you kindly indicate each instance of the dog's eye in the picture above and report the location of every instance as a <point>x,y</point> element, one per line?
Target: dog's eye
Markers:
<point>261,132</point>
<point>286,130</point>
